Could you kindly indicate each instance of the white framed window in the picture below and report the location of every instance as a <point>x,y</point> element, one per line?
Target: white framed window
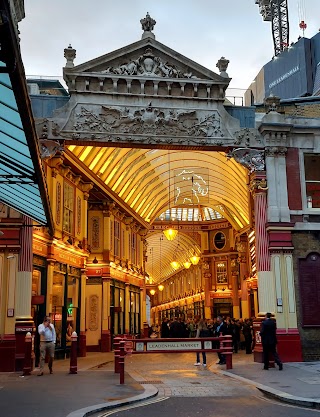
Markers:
<point>312,180</point>
<point>222,272</point>
<point>68,208</point>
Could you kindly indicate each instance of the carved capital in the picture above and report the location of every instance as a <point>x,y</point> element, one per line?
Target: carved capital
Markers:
<point>258,185</point>
<point>276,151</point>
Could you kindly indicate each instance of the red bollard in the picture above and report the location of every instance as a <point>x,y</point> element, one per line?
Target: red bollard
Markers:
<point>27,363</point>
<point>116,348</point>
<point>228,350</point>
<point>121,361</point>
<point>73,354</point>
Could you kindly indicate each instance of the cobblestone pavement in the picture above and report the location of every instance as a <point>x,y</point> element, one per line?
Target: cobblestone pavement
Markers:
<point>176,375</point>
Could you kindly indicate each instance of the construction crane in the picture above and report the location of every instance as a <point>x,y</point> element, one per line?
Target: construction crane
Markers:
<point>276,11</point>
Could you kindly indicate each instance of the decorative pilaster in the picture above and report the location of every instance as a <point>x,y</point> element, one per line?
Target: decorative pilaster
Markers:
<point>105,332</point>
<point>278,208</point>
<point>82,337</point>
<point>24,275</point>
<point>258,187</point>
<point>50,270</point>
<point>235,286</point>
<point>127,308</point>
<point>206,268</point>
<point>242,249</point>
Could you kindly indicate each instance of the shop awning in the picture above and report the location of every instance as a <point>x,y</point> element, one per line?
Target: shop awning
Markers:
<point>22,179</point>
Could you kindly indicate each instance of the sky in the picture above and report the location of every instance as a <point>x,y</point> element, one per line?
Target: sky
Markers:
<point>202,30</point>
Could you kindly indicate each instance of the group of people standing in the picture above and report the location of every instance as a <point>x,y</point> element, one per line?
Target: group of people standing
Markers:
<point>241,331</point>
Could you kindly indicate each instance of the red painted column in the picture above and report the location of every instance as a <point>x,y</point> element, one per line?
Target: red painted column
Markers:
<point>258,187</point>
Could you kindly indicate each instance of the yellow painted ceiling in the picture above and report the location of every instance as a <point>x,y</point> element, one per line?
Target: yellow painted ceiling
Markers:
<point>140,177</point>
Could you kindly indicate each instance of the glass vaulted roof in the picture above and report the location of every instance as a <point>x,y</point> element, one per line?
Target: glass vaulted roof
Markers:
<point>153,181</point>
<point>19,187</point>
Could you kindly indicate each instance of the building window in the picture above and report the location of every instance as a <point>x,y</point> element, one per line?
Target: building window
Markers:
<point>68,207</point>
<point>221,273</point>
<point>117,241</point>
<point>134,248</point>
<point>312,176</point>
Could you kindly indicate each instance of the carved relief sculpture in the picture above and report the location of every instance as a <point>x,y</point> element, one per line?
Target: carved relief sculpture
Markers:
<point>58,203</point>
<point>78,215</point>
<point>148,65</point>
<point>93,313</point>
<point>149,120</point>
<point>95,233</point>
<point>252,159</point>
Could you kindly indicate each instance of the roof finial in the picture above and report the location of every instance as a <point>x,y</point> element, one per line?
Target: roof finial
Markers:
<point>147,24</point>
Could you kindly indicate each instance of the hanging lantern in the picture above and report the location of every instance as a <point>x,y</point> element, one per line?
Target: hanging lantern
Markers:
<point>160,287</point>
<point>170,233</point>
<point>152,292</point>
<point>195,259</point>
<point>187,264</point>
<point>175,264</point>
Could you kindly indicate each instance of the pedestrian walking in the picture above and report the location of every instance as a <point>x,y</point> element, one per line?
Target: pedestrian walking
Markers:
<point>269,341</point>
<point>47,343</point>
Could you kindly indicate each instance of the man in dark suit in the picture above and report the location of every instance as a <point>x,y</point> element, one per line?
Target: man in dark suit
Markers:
<point>269,341</point>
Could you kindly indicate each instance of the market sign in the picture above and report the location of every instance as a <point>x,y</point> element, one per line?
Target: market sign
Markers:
<point>151,346</point>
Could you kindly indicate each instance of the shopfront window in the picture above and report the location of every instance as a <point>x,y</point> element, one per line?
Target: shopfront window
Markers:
<point>134,314</point>
<point>117,299</point>
<point>65,298</point>
<point>58,299</point>
<point>312,178</point>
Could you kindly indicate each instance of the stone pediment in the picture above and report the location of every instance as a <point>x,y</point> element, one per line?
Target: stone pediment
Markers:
<point>146,58</point>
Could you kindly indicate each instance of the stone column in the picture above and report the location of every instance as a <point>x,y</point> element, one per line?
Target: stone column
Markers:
<point>82,337</point>
<point>105,332</point>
